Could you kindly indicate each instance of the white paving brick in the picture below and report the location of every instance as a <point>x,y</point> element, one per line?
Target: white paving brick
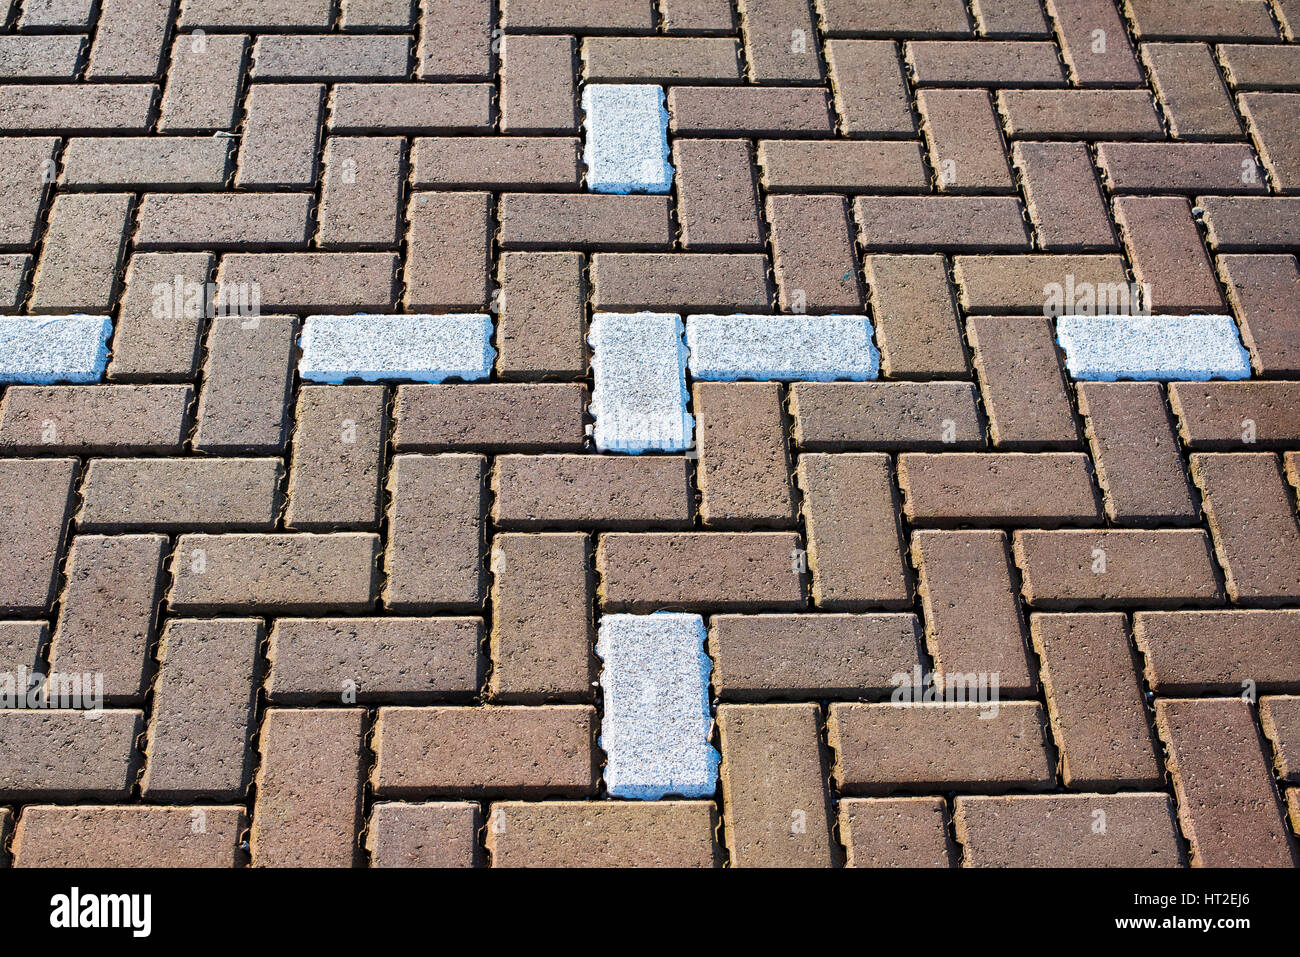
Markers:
<point>1168,348</point>
<point>788,348</point>
<point>639,366</point>
<point>626,149</point>
<point>656,724</point>
<point>39,350</point>
<point>378,347</point>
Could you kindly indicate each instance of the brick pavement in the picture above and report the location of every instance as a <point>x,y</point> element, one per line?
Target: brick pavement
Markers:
<point>355,624</point>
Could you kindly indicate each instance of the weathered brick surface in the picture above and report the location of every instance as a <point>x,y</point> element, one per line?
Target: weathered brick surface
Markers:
<point>436,558</point>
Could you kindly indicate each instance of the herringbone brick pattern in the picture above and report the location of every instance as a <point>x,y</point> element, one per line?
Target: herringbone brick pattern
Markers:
<point>354,624</point>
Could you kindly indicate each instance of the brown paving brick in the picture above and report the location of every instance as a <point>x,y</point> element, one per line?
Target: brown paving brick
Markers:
<point>1227,802</point>
<point>158,336</point>
<point>813,254</point>
<point>24,189</point>
<point>716,202</point>
<point>440,834</point>
<point>1010,18</point>
<point>96,758</point>
<point>660,59</point>
<point>338,449</point>
<point>1024,387</point>
<point>884,416</point>
<point>455,40</point>
<point>584,221</point>
<point>773,786</point>
<point>448,246</point>
<point>1280,717</point>
<point>542,323</point>
<point>40,57</point>
<point>202,717</point>
<point>744,464</point>
<point>1224,652</point>
<point>308,807</point>
<point>78,267</point>
<point>362,189</point>
<point>1080,114</point>
<point>1218,416</point>
<point>246,380</point>
<point>252,14</point>
<point>223,220</point>
<point>410,107</point>
<point>314,282</point>
<point>60,836</point>
<point>203,83</point>
<point>759,657</point>
<point>1011,488</point>
<point>929,223</point>
<point>21,645</point>
<point>149,162</point>
<point>1289,16</point>
<point>1293,804</point>
<point>1180,167</point>
<point>895,832</point>
<point>1251,66</point>
<point>107,611</point>
<point>541,623</point>
<point>281,131</point>
<point>881,748</point>
<point>497,162</point>
<point>1094,699</point>
<point>915,317</point>
<point>1209,19</point>
<point>1135,452</point>
<point>938,17</point>
<point>521,417</point>
<point>688,282</point>
<point>965,141</point>
<point>1068,830</point>
<point>284,573</point>
<point>973,623</point>
<point>13,279</point>
<point>37,501</point>
<point>1115,568</point>
<point>56,13</point>
<point>86,108</point>
<point>1064,199</point>
<point>751,111</point>
<point>1187,80</point>
<point>180,494</point>
<point>871,94</point>
<point>593,491</point>
<point>507,751</point>
<point>1019,63</point>
<point>434,557</point>
<point>592,16</point>
<point>603,834</point>
<point>350,660</point>
<point>537,84</point>
<point>129,39</point>
<point>854,166</point>
<point>340,56</point>
<point>1275,126</point>
<point>780,40</point>
<point>1248,223</point>
<point>697,16</point>
<point>855,553</point>
<point>1252,516</point>
<point>1168,254</point>
<point>110,419</point>
<point>688,571</point>
<point>1091,62</point>
<point>1265,295</point>
<point>1036,284</point>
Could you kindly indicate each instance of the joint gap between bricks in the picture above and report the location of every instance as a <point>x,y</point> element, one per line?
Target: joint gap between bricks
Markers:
<point>261,704</point>
<point>45,649</point>
<point>369,760</point>
<point>385,496</point>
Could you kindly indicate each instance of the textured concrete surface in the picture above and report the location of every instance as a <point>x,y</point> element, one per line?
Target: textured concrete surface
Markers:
<point>39,350</point>
<point>379,348</point>
<point>1163,348</point>
<point>639,368</point>
<point>626,149</point>
<point>786,348</point>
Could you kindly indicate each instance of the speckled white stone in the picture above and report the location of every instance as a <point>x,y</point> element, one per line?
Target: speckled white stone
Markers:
<point>787,348</point>
<point>40,350</point>
<point>380,347</point>
<point>626,149</point>
<point>655,730</point>
<point>639,365</point>
<point>1166,348</point>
